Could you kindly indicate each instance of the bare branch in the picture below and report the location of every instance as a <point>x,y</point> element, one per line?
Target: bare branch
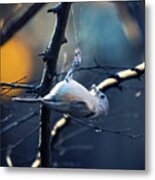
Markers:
<point>17,86</point>
<point>59,124</point>
<point>99,129</point>
<point>70,136</point>
<point>121,132</point>
<point>97,66</point>
<point>50,57</point>
<point>16,123</point>
<point>15,26</point>
<point>6,118</point>
<point>36,163</point>
<point>12,147</point>
<point>122,76</point>
<point>7,87</point>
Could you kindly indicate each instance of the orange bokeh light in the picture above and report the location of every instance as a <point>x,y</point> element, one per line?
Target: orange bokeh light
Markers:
<point>16,62</point>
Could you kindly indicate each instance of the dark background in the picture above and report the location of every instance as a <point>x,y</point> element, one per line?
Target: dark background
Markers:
<point>113,34</point>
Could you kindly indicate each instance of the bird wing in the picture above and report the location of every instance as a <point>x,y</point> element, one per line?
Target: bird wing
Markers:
<point>80,110</point>
<point>75,108</point>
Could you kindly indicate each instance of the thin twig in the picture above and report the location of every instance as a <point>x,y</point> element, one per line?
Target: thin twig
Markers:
<point>10,88</point>
<point>12,147</point>
<point>99,129</point>
<point>96,67</point>
<point>4,120</point>
<point>70,135</point>
<point>16,123</point>
<point>21,86</point>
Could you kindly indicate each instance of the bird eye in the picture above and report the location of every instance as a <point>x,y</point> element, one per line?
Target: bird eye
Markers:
<point>102,96</point>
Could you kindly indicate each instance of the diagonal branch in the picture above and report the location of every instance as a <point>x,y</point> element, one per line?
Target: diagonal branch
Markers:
<point>99,129</point>
<point>116,79</point>
<point>12,147</point>
<point>18,122</point>
<point>15,26</point>
<point>14,85</point>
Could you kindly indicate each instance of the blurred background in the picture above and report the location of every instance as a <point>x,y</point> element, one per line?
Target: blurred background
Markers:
<point>111,33</point>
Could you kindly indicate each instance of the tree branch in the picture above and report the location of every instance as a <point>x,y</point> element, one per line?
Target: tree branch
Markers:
<point>59,124</point>
<point>14,85</point>
<point>91,68</point>
<point>16,123</point>
<point>115,80</point>
<point>15,26</point>
<point>99,129</point>
<point>50,57</point>
<point>12,147</point>
<point>9,86</point>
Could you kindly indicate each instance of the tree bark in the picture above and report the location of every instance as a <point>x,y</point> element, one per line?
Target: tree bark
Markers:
<point>50,57</point>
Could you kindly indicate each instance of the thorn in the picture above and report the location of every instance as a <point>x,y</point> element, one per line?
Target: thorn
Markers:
<point>55,10</point>
<point>64,40</point>
<point>41,54</point>
<point>46,55</point>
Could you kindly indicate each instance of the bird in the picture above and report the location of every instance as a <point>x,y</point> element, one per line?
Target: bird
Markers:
<point>71,97</point>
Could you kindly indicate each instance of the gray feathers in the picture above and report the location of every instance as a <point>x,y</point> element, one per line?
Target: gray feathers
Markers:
<point>74,99</point>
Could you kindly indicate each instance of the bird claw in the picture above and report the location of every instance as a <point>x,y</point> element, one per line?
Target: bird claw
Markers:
<point>94,88</point>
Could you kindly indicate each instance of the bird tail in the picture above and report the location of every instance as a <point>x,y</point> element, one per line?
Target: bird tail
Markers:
<point>27,100</point>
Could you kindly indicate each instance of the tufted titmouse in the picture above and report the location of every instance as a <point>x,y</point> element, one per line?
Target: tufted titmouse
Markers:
<point>69,96</point>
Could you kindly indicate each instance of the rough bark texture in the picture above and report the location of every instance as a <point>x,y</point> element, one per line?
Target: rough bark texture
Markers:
<point>50,58</point>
